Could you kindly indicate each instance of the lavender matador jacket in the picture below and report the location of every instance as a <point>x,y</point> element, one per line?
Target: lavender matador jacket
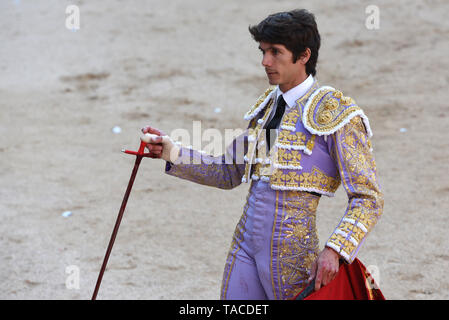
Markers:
<point>322,142</point>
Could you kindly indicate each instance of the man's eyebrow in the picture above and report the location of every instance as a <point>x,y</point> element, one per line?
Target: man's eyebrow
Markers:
<point>269,48</point>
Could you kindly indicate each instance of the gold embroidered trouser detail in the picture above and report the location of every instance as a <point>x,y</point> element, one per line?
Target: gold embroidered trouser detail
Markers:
<point>274,245</point>
<point>297,242</point>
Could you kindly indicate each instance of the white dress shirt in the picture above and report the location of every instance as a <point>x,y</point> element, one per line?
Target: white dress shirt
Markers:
<point>290,98</point>
<point>292,95</point>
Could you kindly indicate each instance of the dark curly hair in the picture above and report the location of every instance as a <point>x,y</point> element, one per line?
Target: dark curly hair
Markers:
<point>296,30</point>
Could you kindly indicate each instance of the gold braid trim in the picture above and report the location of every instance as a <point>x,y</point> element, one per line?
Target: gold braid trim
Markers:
<point>256,108</point>
<point>252,141</point>
<point>328,110</point>
<point>316,180</point>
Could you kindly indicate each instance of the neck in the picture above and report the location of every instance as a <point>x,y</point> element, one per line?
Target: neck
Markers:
<point>284,87</point>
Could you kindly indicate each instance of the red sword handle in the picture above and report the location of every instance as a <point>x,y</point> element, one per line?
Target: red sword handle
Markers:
<point>140,152</point>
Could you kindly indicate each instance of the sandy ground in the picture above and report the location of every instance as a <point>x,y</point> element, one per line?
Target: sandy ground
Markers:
<point>168,63</point>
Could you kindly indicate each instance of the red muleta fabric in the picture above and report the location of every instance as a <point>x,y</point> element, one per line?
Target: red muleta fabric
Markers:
<point>353,282</point>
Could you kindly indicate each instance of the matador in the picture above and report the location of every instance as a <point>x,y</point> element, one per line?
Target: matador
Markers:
<point>302,142</point>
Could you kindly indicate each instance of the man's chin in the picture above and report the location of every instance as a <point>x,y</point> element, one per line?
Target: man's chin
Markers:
<point>272,82</point>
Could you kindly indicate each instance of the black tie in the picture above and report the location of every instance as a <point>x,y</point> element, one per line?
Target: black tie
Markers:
<point>274,122</point>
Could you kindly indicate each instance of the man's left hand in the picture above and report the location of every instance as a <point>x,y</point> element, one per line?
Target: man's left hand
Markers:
<point>324,268</point>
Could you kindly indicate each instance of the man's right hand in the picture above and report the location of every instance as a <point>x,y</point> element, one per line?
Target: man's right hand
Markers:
<point>159,144</point>
<point>155,149</point>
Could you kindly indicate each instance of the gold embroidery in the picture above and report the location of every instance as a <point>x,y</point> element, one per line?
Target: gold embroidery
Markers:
<point>275,178</point>
<point>366,219</point>
<point>331,104</point>
<point>319,180</point>
<point>297,139</point>
<point>291,179</point>
<point>289,138</point>
<point>357,166</point>
<point>358,160</point>
<point>311,109</point>
<point>259,101</point>
<point>283,165</point>
<point>338,94</point>
<point>254,133</point>
<point>342,243</point>
<point>311,143</point>
<point>346,101</point>
<point>348,247</point>
<point>353,231</point>
<point>329,115</point>
<point>369,144</point>
<point>256,169</point>
<point>271,243</point>
<point>316,180</point>
<point>324,117</point>
<point>299,247</point>
<point>286,154</point>
<point>290,118</point>
<point>289,157</point>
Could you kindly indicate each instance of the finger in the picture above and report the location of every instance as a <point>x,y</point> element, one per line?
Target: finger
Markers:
<point>155,156</point>
<point>318,279</point>
<point>332,274</point>
<point>325,274</point>
<point>312,272</point>
<point>154,147</point>
<point>145,129</point>
<point>146,137</point>
<point>151,138</point>
<point>327,278</point>
<point>149,129</point>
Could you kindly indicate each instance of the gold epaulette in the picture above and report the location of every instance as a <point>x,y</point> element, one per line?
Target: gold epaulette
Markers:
<point>328,110</point>
<point>260,104</point>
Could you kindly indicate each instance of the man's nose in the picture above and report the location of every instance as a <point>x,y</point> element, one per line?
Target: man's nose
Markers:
<point>266,61</point>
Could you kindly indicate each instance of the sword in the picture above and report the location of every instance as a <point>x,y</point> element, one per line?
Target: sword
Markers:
<point>139,155</point>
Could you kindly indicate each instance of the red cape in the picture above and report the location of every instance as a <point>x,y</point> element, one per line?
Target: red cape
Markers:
<point>353,282</point>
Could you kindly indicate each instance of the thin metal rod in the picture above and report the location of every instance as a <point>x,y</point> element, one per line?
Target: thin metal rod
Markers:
<point>117,225</point>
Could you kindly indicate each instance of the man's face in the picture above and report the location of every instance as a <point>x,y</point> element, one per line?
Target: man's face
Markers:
<point>279,66</point>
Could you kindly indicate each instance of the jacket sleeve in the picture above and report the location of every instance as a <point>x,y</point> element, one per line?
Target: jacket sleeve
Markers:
<point>352,152</point>
<point>224,172</point>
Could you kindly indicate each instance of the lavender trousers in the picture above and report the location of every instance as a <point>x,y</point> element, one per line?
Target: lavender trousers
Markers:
<point>273,246</point>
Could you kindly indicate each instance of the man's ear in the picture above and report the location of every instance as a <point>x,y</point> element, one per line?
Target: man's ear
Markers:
<point>305,56</point>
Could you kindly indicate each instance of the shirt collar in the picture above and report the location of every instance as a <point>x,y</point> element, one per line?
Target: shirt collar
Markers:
<point>292,95</point>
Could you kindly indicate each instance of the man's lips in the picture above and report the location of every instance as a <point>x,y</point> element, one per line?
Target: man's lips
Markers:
<point>270,72</point>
